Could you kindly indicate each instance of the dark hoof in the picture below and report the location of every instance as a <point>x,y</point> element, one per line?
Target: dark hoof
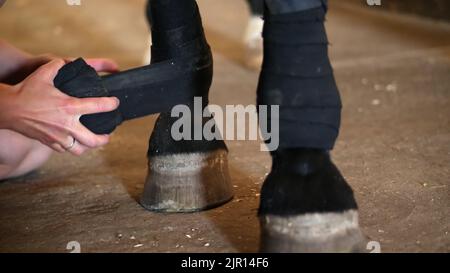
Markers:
<point>312,233</point>
<point>187,182</point>
<point>307,206</point>
<point>187,175</point>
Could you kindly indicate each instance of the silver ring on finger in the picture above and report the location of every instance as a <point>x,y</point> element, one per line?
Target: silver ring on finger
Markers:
<point>69,148</point>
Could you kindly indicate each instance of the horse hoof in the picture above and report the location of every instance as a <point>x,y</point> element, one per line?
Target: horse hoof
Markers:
<point>187,182</point>
<point>312,233</point>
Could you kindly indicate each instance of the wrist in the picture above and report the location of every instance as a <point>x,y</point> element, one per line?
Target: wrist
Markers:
<point>7,102</point>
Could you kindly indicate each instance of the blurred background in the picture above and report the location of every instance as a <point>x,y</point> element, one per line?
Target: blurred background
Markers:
<point>392,65</point>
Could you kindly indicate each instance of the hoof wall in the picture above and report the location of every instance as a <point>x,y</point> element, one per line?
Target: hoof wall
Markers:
<point>312,233</point>
<point>187,182</point>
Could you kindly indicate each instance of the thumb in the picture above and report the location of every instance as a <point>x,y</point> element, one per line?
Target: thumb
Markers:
<point>103,65</point>
<point>48,71</point>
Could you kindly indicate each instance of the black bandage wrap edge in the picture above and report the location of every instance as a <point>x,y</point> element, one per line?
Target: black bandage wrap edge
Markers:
<point>78,79</point>
<point>297,76</point>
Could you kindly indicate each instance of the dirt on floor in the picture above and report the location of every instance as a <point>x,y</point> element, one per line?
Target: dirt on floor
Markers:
<point>394,147</point>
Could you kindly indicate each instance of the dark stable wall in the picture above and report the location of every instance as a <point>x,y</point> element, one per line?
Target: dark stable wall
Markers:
<point>437,9</point>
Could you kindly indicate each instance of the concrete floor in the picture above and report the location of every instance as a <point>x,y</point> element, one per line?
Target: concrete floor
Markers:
<point>394,149</point>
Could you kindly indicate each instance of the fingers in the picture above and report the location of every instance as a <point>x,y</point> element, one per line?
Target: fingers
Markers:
<point>78,149</point>
<point>63,142</point>
<point>88,106</point>
<point>85,137</point>
<point>58,141</point>
<point>46,58</point>
<point>57,147</point>
<point>103,65</point>
<point>75,146</point>
<point>48,71</point>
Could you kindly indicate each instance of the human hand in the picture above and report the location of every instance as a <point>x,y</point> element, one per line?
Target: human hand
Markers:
<point>36,109</point>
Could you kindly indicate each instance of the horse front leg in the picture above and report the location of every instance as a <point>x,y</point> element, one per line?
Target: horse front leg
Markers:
<point>190,174</point>
<point>306,204</point>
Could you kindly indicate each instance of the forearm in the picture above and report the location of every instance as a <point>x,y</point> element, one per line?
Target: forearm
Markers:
<point>11,60</point>
<point>20,155</point>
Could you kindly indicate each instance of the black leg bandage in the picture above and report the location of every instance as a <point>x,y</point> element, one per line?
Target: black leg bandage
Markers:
<point>289,6</point>
<point>256,6</point>
<point>297,75</point>
<point>170,32</point>
<point>181,69</point>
